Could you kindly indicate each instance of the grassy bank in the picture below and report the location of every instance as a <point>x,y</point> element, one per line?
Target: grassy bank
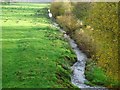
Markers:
<point>34,53</point>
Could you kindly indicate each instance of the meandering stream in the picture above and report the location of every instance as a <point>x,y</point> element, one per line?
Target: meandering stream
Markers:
<point>78,68</point>
<point>78,77</point>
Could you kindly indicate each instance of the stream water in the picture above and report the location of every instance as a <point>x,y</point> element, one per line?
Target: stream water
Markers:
<point>78,77</point>
<point>78,68</point>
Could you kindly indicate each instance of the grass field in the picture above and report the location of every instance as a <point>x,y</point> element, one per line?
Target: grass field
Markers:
<point>34,54</point>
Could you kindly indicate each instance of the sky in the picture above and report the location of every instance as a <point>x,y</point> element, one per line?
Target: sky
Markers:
<point>63,0</point>
<point>29,0</point>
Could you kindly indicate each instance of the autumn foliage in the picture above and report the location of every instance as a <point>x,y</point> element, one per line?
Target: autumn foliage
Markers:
<point>97,35</point>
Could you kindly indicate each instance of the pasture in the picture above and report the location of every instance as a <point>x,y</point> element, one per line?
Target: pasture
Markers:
<point>34,53</point>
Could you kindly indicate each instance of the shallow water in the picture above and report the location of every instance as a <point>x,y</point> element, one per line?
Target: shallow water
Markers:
<point>78,77</point>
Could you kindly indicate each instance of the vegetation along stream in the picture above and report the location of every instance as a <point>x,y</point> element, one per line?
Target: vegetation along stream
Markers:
<point>78,68</point>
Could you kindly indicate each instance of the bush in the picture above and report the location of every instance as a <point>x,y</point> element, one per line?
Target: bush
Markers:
<point>60,8</point>
<point>85,42</point>
<point>103,17</point>
<point>57,9</point>
<point>81,9</point>
<point>69,23</point>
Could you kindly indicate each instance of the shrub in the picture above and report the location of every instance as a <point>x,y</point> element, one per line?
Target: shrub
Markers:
<point>103,17</point>
<point>57,9</point>
<point>81,9</point>
<point>69,23</point>
<point>85,42</point>
<point>60,8</point>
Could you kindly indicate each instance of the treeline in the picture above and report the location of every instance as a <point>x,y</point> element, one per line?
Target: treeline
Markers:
<point>94,26</point>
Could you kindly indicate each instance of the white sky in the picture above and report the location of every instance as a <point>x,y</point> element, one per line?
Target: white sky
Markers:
<point>63,0</point>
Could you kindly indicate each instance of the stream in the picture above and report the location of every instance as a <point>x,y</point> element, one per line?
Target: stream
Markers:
<point>78,68</point>
<point>78,77</point>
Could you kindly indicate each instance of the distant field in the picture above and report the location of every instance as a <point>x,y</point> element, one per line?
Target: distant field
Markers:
<point>33,51</point>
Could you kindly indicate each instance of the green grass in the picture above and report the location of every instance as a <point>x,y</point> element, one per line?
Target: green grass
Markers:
<point>34,53</point>
<point>97,76</point>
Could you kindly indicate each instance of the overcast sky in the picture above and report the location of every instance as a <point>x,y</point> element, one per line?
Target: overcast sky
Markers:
<point>63,0</point>
<point>29,0</point>
<point>34,0</point>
